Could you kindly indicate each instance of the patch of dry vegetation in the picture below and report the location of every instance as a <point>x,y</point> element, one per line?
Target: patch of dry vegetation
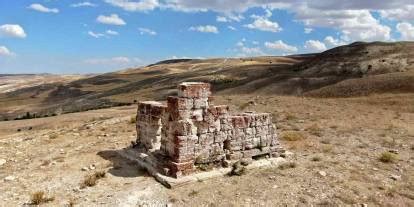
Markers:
<point>92,180</point>
<point>292,136</point>
<point>40,197</point>
<point>387,157</point>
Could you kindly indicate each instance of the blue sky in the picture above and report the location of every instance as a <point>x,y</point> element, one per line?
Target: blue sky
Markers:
<point>62,36</point>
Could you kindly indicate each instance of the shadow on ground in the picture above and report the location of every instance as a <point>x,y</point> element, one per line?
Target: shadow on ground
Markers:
<point>122,167</point>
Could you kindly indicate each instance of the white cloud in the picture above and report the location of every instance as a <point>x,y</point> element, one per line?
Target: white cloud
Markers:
<point>231,28</point>
<point>96,35</point>
<point>263,23</point>
<point>142,5</point>
<point>5,52</point>
<point>315,46</point>
<point>405,13</point>
<point>230,18</point>
<point>308,30</point>
<point>205,29</point>
<point>147,31</point>
<point>83,4</point>
<point>111,32</point>
<point>332,42</point>
<point>12,30</point>
<point>112,19</point>
<point>41,8</point>
<point>407,30</point>
<point>281,46</point>
<point>353,18</point>
<point>353,24</point>
<point>121,60</point>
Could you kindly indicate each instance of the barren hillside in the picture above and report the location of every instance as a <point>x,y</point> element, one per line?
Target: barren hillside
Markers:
<point>351,70</point>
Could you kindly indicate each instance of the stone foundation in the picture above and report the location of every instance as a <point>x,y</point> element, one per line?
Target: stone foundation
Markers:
<point>189,131</point>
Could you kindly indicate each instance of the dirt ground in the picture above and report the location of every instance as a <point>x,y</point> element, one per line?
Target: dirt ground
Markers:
<point>350,151</point>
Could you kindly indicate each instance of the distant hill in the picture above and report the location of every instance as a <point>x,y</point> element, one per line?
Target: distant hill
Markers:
<point>350,70</point>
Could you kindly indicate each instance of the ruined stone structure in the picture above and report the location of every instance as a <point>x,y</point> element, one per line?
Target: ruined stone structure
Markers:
<point>189,130</point>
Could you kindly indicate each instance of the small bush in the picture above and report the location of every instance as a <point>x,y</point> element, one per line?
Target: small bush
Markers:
<point>387,157</point>
<point>193,193</point>
<point>53,136</point>
<point>91,180</point>
<point>292,136</point>
<point>290,117</point>
<point>40,197</point>
<point>238,169</point>
<point>316,159</point>
<point>133,120</point>
<point>287,165</point>
<point>315,130</point>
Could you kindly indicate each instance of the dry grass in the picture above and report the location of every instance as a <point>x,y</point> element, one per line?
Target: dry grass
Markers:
<point>287,165</point>
<point>292,136</point>
<point>387,157</point>
<point>92,180</point>
<point>315,130</point>
<point>133,120</point>
<point>40,197</point>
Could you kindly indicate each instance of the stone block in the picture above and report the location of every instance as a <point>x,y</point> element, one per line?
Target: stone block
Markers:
<point>180,169</point>
<point>200,103</point>
<point>179,103</point>
<point>194,90</point>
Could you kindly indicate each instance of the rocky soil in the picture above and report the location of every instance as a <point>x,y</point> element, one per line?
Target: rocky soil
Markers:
<point>348,151</point>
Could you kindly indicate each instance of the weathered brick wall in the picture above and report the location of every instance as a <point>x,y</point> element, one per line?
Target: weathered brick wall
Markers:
<point>149,124</point>
<point>190,130</point>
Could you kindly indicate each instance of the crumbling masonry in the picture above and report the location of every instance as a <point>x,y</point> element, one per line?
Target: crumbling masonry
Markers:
<point>189,131</point>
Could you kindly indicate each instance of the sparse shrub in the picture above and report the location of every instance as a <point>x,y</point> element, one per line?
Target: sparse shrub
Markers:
<point>133,120</point>
<point>387,157</point>
<point>315,130</point>
<point>244,106</point>
<point>222,79</point>
<point>40,197</point>
<point>53,136</point>
<point>326,141</point>
<point>290,117</point>
<point>316,159</point>
<point>327,148</point>
<point>287,165</point>
<point>91,180</point>
<point>238,169</point>
<point>193,193</point>
<point>292,136</point>
<point>71,202</point>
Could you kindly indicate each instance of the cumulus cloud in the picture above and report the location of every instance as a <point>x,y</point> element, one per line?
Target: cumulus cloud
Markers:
<point>263,23</point>
<point>405,13</point>
<point>111,32</point>
<point>279,45</point>
<point>12,30</point>
<point>205,29</point>
<point>230,18</point>
<point>231,28</point>
<point>41,8</point>
<point>83,4</point>
<point>353,18</point>
<point>332,42</point>
<point>407,30</point>
<point>96,35</point>
<point>308,30</point>
<point>4,51</point>
<point>144,31</point>
<point>315,46</point>
<point>112,19</point>
<point>142,5</point>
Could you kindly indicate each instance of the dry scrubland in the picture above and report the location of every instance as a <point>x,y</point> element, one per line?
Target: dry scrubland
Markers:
<point>345,151</point>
